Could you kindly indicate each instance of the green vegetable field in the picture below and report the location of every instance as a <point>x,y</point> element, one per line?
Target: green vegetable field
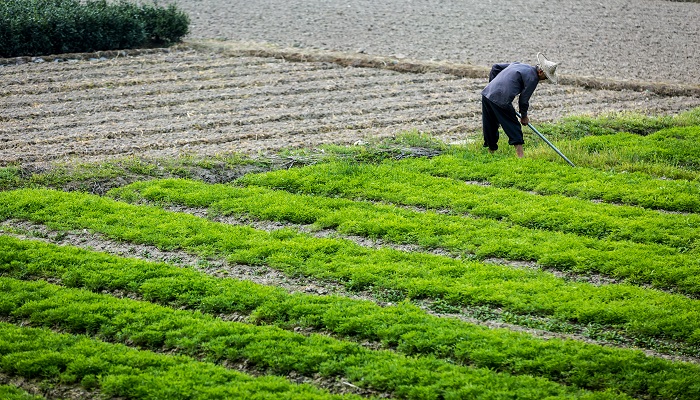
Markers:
<point>368,271</point>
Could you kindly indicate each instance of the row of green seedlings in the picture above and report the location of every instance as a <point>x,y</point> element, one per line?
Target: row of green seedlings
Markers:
<point>347,216</point>
<point>652,186</point>
<point>636,188</point>
<point>602,334</point>
<point>578,126</point>
<point>656,232</point>
<point>553,213</point>
<point>553,178</point>
<point>42,27</point>
<point>654,145</point>
<point>670,153</point>
<point>637,245</point>
<point>265,348</point>
<point>9,392</point>
<point>431,356</point>
<point>485,313</point>
<point>119,371</point>
<point>634,310</point>
<point>677,147</point>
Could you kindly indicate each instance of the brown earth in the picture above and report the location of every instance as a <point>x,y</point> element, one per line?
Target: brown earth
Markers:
<point>647,40</point>
<point>208,97</point>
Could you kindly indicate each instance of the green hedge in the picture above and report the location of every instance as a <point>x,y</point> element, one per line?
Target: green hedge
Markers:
<point>40,27</point>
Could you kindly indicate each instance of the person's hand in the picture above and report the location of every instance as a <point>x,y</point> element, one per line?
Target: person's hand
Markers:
<point>525,120</point>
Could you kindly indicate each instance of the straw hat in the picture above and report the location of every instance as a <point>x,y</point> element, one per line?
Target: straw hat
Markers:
<point>549,68</point>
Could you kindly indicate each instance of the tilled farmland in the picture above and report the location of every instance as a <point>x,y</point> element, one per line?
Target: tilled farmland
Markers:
<point>404,269</point>
<point>208,102</point>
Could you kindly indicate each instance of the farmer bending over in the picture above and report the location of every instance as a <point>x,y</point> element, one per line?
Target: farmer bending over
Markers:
<point>505,82</point>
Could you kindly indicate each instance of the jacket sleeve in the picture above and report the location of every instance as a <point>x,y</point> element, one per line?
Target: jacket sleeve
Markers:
<point>496,69</point>
<point>524,98</point>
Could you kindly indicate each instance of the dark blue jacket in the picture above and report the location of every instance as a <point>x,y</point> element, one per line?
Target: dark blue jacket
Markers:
<point>509,80</point>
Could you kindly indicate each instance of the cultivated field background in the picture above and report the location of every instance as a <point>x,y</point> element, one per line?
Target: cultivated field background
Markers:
<point>213,100</point>
<point>649,40</point>
<point>369,273</point>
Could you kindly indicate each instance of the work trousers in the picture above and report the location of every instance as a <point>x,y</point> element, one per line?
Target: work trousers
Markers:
<point>492,117</point>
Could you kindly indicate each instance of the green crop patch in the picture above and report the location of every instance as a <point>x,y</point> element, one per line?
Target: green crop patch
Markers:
<point>119,371</point>
<point>404,327</point>
<point>670,264</point>
<point>8,392</point>
<point>579,126</point>
<point>264,347</point>
<point>554,213</point>
<point>678,147</point>
<point>629,188</point>
<point>415,275</point>
<point>556,256</point>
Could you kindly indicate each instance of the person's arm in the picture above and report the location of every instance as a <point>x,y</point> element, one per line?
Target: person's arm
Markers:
<point>524,98</point>
<point>496,69</point>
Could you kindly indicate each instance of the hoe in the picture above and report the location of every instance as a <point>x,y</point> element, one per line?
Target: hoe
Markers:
<point>547,141</point>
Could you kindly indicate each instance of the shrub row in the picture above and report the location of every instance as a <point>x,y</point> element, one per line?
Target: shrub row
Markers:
<point>41,27</point>
<point>263,347</point>
<point>403,327</point>
<point>123,372</point>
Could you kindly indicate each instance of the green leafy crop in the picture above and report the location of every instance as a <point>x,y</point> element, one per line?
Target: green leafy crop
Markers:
<point>403,327</point>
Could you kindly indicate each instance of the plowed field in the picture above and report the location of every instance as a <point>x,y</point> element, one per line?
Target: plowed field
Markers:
<point>209,102</point>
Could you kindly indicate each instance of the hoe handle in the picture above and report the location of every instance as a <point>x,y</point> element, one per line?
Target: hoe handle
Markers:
<point>547,141</point>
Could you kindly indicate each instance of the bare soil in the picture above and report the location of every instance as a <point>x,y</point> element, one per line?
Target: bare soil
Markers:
<point>209,102</point>
<point>302,73</point>
<point>648,40</point>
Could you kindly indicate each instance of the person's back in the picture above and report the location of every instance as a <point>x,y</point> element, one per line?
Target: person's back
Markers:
<point>507,83</point>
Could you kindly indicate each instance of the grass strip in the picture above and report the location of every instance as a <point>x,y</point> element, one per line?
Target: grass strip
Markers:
<point>265,347</point>
<point>404,327</point>
<point>658,265</point>
<point>120,371</point>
